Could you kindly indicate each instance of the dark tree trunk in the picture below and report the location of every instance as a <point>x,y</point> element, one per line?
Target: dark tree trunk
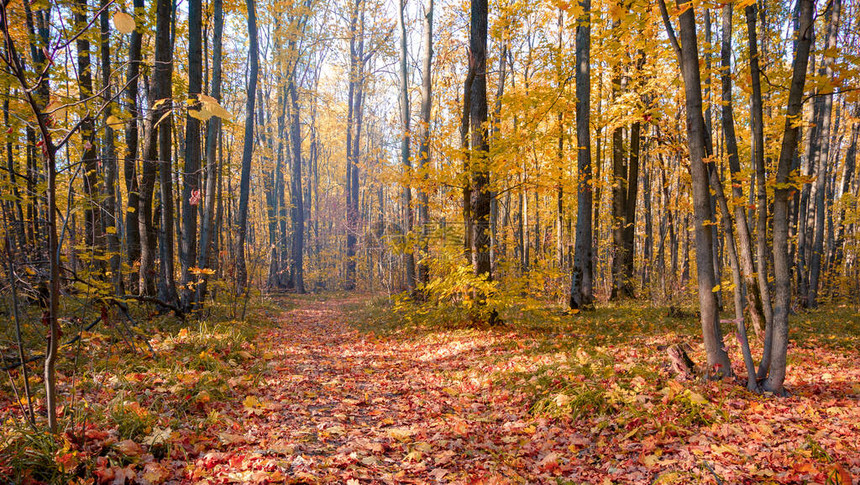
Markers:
<point>167,281</point>
<point>757,128</point>
<point>92,220</point>
<point>719,364</point>
<point>109,159</point>
<point>191,173</point>
<point>132,213</point>
<point>480,170</point>
<point>247,151</point>
<point>405,122</point>
<point>581,288</point>
<point>297,211</point>
<point>782,282</point>
<point>213,130</point>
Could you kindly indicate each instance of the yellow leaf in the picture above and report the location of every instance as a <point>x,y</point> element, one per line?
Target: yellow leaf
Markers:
<point>716,288</point>
<point>131,209</point>
<point>697,398</point>
<point>251,402</point>
<point>202,114</point>
<point>114,122</point>
<point>110,229</point>
<point>123,22</point>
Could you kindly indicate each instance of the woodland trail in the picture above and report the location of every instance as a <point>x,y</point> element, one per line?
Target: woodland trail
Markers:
<point>328,403</point>
<point>337,406</point>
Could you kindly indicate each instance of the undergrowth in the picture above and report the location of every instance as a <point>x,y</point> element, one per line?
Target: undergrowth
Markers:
<point>154,384</point>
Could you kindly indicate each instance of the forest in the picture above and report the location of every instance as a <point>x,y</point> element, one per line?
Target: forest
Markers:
<point>430,241</point>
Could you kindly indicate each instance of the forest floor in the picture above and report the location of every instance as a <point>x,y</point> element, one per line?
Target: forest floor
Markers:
<point>344,391</point>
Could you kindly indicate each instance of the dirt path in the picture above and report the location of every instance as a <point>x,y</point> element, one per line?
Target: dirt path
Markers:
<point>336,405</point>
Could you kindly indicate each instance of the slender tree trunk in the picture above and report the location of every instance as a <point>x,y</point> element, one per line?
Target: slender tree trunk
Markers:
<point>109,159</point>
<point>581,288</point>
<point>167,282</point>
<point>132,214</point>
<point>297,210</point>
<point>757,128</point>
<point>822,150</point>
<point>191,174</point>
<point>409,254</point>
<point>213,130</point>
<point>247,151</point>
<point>782,279</point>
<point>719,364</point>
<point>424,145</point>
<point>89,158</point>
<point>753,295</point>
<point>464,147</point>
<point>352,138</point>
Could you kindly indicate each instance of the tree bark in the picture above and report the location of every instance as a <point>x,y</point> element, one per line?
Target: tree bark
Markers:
<point>92,214</point>
<point>213,130</point>
<point>247,151</point>
<point>753,295</point>
<point>191,173</point>
<point>757,128</point>
<point>782,279</point>
<point>297,212</point>
<point>480,170</point>
<point>424,145</point>
<point>132,188</point>
<point>581,287</point>
<point>409,255</point>
<point>718,360</point>
<point>822,151</point>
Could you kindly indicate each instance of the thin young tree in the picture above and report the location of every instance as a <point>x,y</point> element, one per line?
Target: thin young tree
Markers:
<point>247,150</point>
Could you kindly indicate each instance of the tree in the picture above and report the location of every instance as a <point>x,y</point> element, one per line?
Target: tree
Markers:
<point>581,288</point>
<point>688,56</point>
<point>213,130</point>
<point>480,171</point>
<point>191,175</point>
<point>782,280</point>
<point>247,151</point>
<point>821,149</point>
<point>132,186</point>
<point>409,255</point>
<point>424,143</point>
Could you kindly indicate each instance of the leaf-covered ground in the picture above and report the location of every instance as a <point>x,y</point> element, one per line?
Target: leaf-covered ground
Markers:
<point>341,392</point>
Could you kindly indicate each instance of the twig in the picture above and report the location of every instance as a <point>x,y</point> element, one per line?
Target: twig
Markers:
<point>716,477</point>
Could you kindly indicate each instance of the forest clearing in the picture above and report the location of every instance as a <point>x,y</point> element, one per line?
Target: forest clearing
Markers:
<point>429,241</point>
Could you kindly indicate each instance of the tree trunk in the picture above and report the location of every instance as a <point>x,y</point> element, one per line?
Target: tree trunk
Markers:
<point>480,170</point>
<point>753,295</point>
<point>247,151</point>
<point>757,128</point>
<point>424,145</point>
<point>213,129</point>
<point>167,281</point>
<point>581,287</point>
<point>191,173</point>
<point>822,150</point>
<point>409,255</point>
<point>782,282</point>
<point>297,211</point>
<point>109,160</point>
<point>356,61</point>
<point>718,360</point>
<point>132,214</point>
<point>92,214</point>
